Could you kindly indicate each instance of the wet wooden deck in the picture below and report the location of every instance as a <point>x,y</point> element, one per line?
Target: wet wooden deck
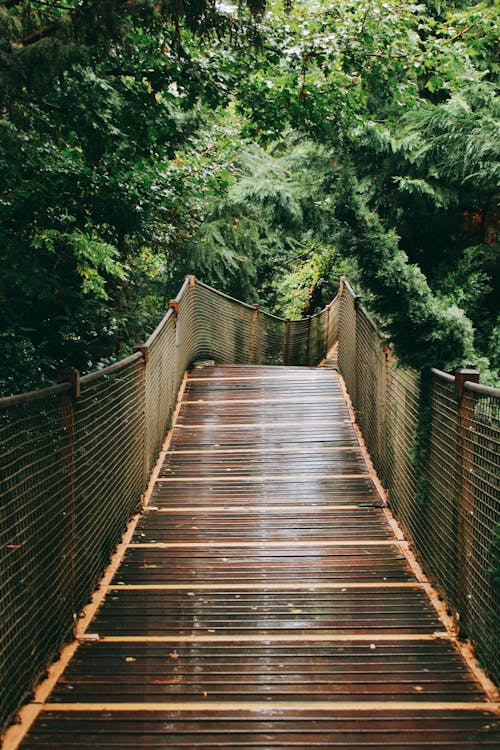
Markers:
<point>264,601</point>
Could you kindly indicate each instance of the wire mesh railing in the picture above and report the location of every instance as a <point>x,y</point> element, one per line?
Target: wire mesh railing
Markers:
<point>76,459</point>
<point>435,442</point>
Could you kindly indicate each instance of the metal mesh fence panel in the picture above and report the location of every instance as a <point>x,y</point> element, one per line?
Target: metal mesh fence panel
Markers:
<point>268,339</point>
<point>36,541</point>
<point>232,332</point>
<point>185,342</point>
<point>160,390</point>
<point>347,339</point>
<point>223,327</point>
<point>479,521</point>
<point>438,533</point>
<point>330,322</point>
<point>371,388</point>
<point>295,349</point>
<point>170,349</point>
<point>317,339</point>
<point>402,418</point>
<point>437,453</point>
<point>109,466</point>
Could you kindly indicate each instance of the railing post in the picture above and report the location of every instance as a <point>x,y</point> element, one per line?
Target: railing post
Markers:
<point>192,315</point>
<point>174,306</point>
<point>285,341</point>
<point>465,489</point>
<point>308,353</point>
<point>144,350</point>
<point>253,339</point>
<point>327,329</point>
<point>68,542</point>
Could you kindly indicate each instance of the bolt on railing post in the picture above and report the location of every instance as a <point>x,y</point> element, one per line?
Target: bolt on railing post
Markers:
<point>67,411</point>
<point>465,487</point>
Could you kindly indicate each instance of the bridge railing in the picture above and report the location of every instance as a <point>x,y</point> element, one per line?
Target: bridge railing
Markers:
<point>76,458</point>
<point>434,439</point>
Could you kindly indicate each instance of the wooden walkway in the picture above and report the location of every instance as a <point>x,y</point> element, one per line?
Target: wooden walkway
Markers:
<point>264,601</point>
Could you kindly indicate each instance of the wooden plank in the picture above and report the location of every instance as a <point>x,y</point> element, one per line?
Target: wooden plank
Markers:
<point>267,586</point>
<point>315,376</point>
<point>195,509</point>
<point>263,478</point>
<point>263,706</point>
<point>262,545</point>
<point>263,425</point>
<point>267,451</point>
<point>273,639</point>
<point>282,401</point>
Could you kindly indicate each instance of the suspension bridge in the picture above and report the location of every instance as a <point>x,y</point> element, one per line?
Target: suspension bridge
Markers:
<point>309,549</point>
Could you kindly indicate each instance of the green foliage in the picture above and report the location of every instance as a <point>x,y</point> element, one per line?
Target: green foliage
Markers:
<point>265,147</point>
<point>427,330</point>
<point>313,281</point>
<point>252,209</point>
<point>94,103</point>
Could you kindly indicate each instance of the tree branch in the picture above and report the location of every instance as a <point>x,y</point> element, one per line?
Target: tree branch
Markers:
<point>41,34</point>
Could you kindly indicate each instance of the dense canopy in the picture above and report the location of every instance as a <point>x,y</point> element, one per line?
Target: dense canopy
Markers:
<point>266,148</point>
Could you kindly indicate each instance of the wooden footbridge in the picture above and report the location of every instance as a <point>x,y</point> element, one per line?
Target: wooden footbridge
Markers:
<point>265,597</point>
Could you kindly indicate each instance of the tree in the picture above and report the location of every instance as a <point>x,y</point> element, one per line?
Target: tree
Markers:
<point>96,97</point>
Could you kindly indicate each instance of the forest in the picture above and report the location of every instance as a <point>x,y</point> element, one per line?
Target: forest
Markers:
<point>267,147</point>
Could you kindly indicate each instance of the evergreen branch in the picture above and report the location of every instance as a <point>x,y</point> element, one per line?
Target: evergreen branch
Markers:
<point>57,6</point>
